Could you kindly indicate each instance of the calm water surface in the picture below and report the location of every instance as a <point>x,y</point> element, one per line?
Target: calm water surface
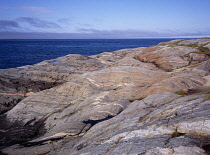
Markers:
<point>15,53</point>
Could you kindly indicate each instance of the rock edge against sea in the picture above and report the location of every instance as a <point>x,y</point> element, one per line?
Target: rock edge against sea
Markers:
<point>153,100</point>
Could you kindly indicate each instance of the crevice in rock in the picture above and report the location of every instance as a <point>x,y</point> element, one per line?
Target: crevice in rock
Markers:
<point>206,147</point>
<point>94,122</point>
<point>192,91</point>
<point>141,119</point>
<point>143,153</point>
<point>177,134</point>
<point>156,65</point>
<point>42,142</point>
<point>136,99</point>
<point>173,135</point>
<point>113,145</point>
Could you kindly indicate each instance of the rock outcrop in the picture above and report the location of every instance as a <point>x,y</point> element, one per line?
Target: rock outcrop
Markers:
<point>17,83</point>
<point>132,101</point>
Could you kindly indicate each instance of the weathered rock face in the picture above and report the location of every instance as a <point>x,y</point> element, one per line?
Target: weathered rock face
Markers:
<point>16,83</point>
<point>157,124</point>
<point>205,66</point>
<point>124,102</point>
<point>169,58</point>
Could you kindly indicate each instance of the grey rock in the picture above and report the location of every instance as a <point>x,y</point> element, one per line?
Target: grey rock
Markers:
<point>124,102</point>
<point>199,42</point>
<point>208,46</point>
<point>23,81</point>
<point>205,66</point>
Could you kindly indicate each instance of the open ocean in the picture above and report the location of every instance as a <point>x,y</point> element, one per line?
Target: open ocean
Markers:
<point>15,53</point>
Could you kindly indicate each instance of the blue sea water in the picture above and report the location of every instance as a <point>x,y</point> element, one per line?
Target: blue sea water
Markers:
<point>15,53</point>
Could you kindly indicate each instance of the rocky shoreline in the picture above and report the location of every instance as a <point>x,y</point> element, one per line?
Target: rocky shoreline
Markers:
<point>153,100</point>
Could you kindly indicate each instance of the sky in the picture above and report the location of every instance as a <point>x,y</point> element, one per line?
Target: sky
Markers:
<point>104,19</point>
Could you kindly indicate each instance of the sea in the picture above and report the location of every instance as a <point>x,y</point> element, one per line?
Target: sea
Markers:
<point>16,53</point>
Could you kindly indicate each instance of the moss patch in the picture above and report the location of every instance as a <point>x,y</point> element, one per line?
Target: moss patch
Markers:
<point>202,49</point>
<point>207,97</point>
<point>189,45</point>
<point>181,92</point>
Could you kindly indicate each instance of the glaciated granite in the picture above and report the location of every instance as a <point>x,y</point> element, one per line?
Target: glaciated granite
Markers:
<point>17,83</point>
<point>133,101</point>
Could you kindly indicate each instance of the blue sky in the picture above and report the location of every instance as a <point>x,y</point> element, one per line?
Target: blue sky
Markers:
<point>82,19</point>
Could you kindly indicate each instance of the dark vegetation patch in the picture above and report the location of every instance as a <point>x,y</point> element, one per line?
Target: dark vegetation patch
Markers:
<point>188,45</point>
<point>204,50</point>
<point>188,92</point>
<point>181,92</point>
<point>201,48</point>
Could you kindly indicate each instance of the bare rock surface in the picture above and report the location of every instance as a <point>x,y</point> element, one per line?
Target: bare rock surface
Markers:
<point>148,101</point>
<point>170,58</point>
<point>17,83</point>
<point>199,42</point>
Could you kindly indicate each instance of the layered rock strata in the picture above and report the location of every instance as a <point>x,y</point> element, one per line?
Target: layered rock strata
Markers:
<point>17,83</point>
<point>132,101</point>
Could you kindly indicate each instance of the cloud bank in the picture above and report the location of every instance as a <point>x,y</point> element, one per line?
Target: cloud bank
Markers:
<point>15,29</point>
<point>97,34</point>
<point>8,24</point>
<point>38,22</point>
<point>18,25</point>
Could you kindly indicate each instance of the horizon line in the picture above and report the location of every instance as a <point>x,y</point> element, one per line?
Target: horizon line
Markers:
<point>190,37</point>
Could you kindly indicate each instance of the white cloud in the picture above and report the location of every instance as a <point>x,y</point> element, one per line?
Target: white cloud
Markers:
<point>97,34</point>
<point>35,22</point>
